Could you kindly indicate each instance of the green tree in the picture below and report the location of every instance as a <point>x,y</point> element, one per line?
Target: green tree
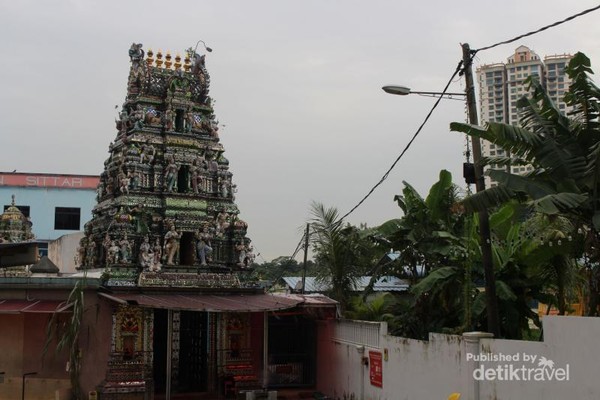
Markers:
<point>342,253</point>
<point>565,155</point>
<point>372,309</point>
<point>433,239</point>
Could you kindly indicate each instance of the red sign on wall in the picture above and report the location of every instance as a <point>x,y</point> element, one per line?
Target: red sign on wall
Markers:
<point>49,181</point>
<point>376,368</point>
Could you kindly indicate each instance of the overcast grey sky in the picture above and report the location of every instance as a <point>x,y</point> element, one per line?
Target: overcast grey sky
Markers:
<point>296,84</point>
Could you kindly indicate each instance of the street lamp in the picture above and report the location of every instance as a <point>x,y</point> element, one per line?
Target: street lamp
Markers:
<point>203,44</point>
<point>404,91</point>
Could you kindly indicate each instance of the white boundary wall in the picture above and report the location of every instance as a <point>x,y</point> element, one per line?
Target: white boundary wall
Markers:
<point>436,368</point>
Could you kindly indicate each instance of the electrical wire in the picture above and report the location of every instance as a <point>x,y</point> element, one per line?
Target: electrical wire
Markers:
<point>456,72</point>
<point>298,247</point>
<point>387,173</point>
<point>538,30</point>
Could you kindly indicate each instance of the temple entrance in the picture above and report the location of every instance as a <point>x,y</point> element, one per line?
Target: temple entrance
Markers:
<point>292,350</point>
<point>187,249</point>
<point>193,353</point>
<point>187,352</point>
<point>159,345</point>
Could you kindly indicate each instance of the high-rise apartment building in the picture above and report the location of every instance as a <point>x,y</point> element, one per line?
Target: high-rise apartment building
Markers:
<point>502,85</point>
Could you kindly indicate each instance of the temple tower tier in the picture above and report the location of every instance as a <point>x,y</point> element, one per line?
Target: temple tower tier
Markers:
<point>166,202</point>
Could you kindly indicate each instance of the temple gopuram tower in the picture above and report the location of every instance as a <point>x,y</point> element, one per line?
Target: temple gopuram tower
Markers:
<point>166,213</point>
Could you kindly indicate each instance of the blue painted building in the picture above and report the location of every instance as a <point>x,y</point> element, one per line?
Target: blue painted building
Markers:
<point>57,204</point>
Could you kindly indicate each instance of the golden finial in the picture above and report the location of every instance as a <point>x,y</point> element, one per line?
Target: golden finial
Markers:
<point>187,63</point>
<point>178,62</point>
<point>159,60</point>
<point>150,57</point>
<point>168,62</point>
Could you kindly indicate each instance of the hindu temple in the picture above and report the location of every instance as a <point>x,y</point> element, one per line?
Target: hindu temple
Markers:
<point>164,304</point>
<point>166,205</point>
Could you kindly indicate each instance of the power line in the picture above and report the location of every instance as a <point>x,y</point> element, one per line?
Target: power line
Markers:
<point>298,247</point>
<point>456,72</point>
<point>387,173</point>
<point>538,30</point>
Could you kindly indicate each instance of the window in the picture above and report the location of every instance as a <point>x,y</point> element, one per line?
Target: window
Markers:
<point>23,209</point>
<point>179,115</point>
<point>67,218</point>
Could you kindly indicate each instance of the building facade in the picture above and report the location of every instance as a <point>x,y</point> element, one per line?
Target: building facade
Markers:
<point>501,85</point>
<point>57,204</point>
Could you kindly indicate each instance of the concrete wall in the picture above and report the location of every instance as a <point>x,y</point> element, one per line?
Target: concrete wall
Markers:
<point>95,341</point>
<point>62,251</point>
<point>22,338</point>
<point>445,364</point>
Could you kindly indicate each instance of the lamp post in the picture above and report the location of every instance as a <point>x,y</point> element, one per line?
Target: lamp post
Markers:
<point>484,222</point>
<point>203,44</point>
<point>404,91</point>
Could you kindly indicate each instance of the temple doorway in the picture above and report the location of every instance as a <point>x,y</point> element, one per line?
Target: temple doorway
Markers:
<point>187,249</point>
<point>186,346</point>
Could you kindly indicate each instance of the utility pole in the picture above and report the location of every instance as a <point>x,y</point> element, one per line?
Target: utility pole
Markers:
<point>484,221</point>
<point>305,257</point>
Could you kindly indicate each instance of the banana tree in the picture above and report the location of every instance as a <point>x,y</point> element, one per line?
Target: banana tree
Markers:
<point>564,152</point>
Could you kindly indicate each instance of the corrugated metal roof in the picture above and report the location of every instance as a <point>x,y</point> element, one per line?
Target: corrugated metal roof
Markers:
<point>206,302</point>
<point>383,284</point>
<point>311,300</point>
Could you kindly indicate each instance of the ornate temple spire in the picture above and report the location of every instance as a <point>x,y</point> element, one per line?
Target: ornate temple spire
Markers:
<point>166,196</point>
<point>15,227</point>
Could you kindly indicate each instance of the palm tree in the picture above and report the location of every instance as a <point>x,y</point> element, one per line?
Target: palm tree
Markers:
<point>565,155</point>
<point>338,251</point>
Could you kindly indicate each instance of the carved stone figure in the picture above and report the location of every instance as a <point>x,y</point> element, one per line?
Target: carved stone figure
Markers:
<point>222,223</point>
<point>233,191</point>
<point>157,255</point>
<point>113,253</point>
<point>189,121</point>
<point>152,117</point>
<point>105,246</point>
<point>250,256</point>
<point>225,187</point>
<point>99,190</point>
<point>198,66</point>
<point>168,118</point>
<point>197,174</point>
<point>214,127</point>
<point>124,181</point>
<point>136,54</point>
<point>134,179</point>
<point>171,245</point>
<point>90,254</point>
<point>147,153</point>
<point>137,117</point>
<point>125,250</point>
<point>203,248</point>
<point>145,253</point>
<point>240,248</point>
<point>171,174</point>
<point>123,123</point>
